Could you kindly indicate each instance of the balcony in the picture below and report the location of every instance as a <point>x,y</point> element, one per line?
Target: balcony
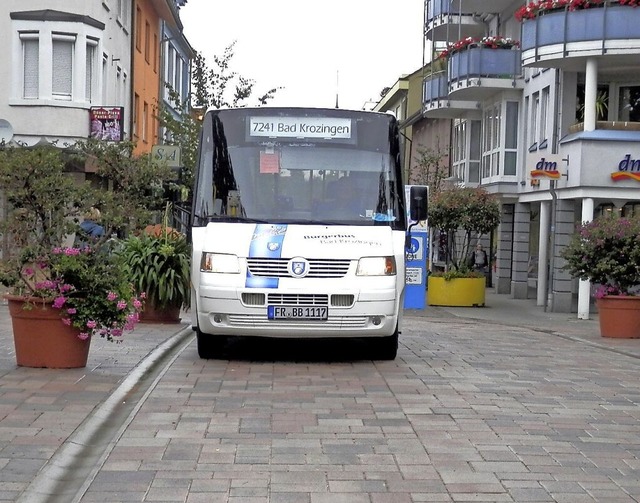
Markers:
<point>446,22</point>
<point>479,72</point>
<point>436,102</point>
<point>563,38</point>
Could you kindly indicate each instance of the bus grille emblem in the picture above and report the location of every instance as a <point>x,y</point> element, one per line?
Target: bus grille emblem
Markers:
<point>298,267</point>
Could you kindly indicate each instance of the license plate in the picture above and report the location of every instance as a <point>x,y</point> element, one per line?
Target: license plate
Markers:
<point>297,312</point>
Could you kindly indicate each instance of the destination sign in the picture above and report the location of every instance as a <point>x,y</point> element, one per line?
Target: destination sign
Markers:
<point>300,127</point>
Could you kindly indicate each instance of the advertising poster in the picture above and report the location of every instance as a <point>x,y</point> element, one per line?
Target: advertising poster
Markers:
<point>106,123</point>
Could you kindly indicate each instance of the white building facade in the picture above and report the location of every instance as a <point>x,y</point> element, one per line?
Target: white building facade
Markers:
<point>551,124</point>
<point>62,57</point>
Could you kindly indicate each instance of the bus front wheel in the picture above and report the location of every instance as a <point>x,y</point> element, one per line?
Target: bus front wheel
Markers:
<point>209,346</point>
<point>386,348</point>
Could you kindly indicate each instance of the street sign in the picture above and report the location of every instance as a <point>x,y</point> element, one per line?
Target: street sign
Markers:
<point>171,154</point>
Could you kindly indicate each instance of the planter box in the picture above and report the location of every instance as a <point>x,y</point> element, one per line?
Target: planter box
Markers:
<point>459,292</point>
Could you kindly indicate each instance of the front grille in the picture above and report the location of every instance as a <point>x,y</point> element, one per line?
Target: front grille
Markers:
<point>335,322</point>
<point>318,268</point>
<point>298,299</point>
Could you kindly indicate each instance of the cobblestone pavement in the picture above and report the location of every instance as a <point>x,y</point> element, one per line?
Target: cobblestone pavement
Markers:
<point>504,403</point>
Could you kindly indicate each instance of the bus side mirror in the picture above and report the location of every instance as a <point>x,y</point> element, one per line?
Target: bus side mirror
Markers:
<point>418,201</point>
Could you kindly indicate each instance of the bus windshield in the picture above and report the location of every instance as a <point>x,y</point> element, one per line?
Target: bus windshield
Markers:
<point>299,166</point>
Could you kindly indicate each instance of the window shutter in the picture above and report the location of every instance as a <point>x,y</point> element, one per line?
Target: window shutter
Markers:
<point>31,71</point>
<point>62,67</point>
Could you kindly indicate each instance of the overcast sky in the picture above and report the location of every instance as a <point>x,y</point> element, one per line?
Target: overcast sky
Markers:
<point>311,48</point>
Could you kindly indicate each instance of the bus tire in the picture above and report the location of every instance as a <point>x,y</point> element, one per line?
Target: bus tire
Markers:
<point>209,346</point>
<point>387,347</point>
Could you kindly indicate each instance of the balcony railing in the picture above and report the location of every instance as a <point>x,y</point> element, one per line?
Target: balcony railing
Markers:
<point>447,22</point>
<point>440,7</point>
<point>480,62</point>
<point>610,29</point>
<point>436,87</point>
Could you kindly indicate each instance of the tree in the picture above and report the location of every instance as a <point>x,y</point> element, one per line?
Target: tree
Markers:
<point>463,213</point>
<point>212,84</point>
<point>211,88</point>
<point>137,184</point>
<point>430,169</point>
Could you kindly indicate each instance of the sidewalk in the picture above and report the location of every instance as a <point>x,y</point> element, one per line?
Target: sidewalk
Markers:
<point>48,416</point>
<point>506,311</point>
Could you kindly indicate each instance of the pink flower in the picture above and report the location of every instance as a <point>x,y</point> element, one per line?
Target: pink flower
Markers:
<point>137,304</point>
<point>122,304</point>
<point>71,310</point>
<point>91,324</point>
<point>83,336</point>
<point>66,321</point>
<point>59,302</point>
<point>111,296</point>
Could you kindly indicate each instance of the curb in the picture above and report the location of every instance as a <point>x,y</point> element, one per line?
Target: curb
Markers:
<point>67,475</point>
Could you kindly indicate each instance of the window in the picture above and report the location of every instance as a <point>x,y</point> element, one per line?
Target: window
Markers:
<point>459,153</point>
<point>155,53</point>
<point>105,74</point>
<point>178,76</point>
<point>30,65</point>
<point>511,138</point>
<point>145,122</point>
<point>544,107</point>
<point>492,123</point>
<point>138,29</point>
<point>170,62</point>
<point>59,66</point>
<point>136,115</point>
<point>90,78</point>
<point>118,84</point>
<point>62,66</point>
<point>629,104</point>
<point>533,123</point>
<point>147,40</point>
<point>474,151</point>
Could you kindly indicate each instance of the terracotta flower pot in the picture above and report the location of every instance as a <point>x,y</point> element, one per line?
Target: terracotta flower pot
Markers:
<point>153,314</point>
<point>41,339</point>
<point>619,316</point>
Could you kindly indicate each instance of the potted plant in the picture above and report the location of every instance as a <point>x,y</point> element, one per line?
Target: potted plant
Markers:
<point>462,215</point>
<point>489,42</point>
<point>157,262</point>
<point>61,299</point>
<point>82,289</point>
<point>533,9</point>
<point>606,251</point>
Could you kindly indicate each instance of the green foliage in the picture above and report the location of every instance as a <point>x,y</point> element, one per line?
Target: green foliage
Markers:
<point>606,251</point>
<point>43,200</point>
<point>466,211</point>
<point>137,185</point>
<point>159,265</point>
<point>45,206</point>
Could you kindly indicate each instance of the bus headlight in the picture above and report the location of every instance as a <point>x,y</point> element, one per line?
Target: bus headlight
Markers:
<point>220,263</point>
<point>376,266</point>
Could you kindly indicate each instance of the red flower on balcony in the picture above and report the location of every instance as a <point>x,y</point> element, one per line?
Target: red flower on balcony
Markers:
<point>533,9</point>
<point>493,42</point>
